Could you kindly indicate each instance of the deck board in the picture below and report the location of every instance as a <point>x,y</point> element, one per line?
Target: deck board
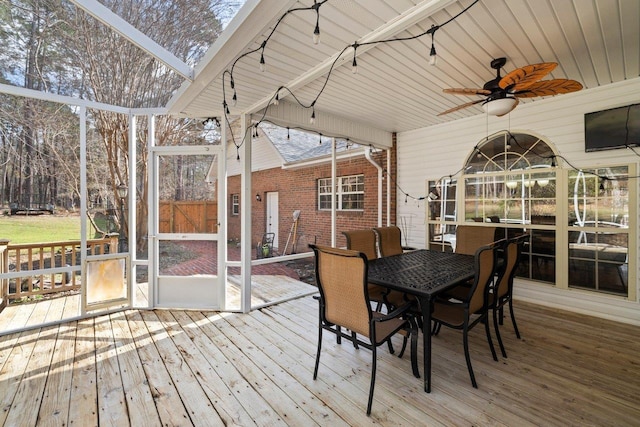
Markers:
<point>176,367</point>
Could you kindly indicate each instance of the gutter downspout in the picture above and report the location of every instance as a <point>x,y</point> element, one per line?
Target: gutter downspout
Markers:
<point>367,155</point>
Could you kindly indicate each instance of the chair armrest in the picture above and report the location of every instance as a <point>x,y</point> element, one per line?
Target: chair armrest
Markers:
<point>396,313</point>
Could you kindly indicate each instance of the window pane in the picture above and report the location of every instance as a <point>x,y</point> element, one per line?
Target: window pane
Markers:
<point>599,261</point>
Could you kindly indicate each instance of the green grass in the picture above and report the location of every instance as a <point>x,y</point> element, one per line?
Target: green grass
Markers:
<point>41,228</point>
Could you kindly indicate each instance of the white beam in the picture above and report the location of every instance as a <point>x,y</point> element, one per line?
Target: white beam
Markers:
<point>52,97</point>
<point>293,115</point>
<point>136,37</point>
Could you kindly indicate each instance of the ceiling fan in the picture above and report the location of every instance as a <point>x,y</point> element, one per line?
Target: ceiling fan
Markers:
<point>501,94</point>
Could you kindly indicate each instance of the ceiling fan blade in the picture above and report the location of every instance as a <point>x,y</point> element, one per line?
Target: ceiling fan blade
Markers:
<point>460,107</point>
<point>467,91</point>
<point>524,77</point>
<point>549,88</point>
<point>512,108</point>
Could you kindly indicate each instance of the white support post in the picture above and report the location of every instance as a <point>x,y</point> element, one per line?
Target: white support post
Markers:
<point>82,115</point>
<point>245,215</point>
<point>333,192</point>
<point>223,211</point>
<point>131,203</point>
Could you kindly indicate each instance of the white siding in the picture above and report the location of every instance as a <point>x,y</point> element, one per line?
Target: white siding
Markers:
<point>441,150</point>
<point>263,156</point>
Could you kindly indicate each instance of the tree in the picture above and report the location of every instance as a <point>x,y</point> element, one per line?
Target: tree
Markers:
<point>58,48</point>
<point>119,73</point>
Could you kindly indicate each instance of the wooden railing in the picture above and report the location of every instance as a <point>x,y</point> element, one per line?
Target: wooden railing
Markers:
<point>36,259</point>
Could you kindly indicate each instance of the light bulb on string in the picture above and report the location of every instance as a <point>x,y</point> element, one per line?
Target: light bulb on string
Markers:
<point>312,120</point>
<point>316,31</point>
<point>433,58</point>
<point>354,64</point>
<point>263,64</point>
<point>320,139</point>
<point>288,135</point>
<point>276,100</point>
<point>234,99</point>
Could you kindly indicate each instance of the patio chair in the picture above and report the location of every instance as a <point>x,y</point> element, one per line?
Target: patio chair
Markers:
<point>389,244</point>
<point>501,294</point>
<point>470,237</point>
<point>389,240</point>
<point>341,276</point>
<point>365,241</point>
<point>473,308</point>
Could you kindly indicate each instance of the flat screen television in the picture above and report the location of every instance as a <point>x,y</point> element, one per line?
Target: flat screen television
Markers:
<point>611,129</point>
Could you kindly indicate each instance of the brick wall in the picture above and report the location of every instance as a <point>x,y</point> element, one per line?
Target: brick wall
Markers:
<point>297,190</point>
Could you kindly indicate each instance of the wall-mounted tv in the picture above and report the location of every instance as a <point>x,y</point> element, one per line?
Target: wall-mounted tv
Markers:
<point>611,129</point>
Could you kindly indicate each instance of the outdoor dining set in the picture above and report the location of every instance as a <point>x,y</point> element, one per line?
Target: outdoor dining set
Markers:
<point>377,288</point>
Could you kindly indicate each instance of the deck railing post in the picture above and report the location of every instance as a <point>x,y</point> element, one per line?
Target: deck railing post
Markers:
<point>4,268</point>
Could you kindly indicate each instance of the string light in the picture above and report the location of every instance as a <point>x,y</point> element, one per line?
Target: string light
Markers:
<point>433,58</point>
<point>354,65</point>
<point>312,120</point>
<point>316,39</point>
<point>263,64</point>
<point>316,32</point>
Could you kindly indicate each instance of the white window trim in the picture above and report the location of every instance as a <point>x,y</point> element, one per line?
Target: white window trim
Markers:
<point>340,193</point>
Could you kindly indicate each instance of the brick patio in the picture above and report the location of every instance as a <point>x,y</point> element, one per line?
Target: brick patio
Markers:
<point>207,262</point>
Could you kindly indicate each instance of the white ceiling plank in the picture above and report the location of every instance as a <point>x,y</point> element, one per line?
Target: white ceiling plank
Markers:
<point>394,90</point>
<point>418,13</point>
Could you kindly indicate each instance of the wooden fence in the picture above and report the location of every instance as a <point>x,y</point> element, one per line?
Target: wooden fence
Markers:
<point>32,258</point>
<point>188,217</point>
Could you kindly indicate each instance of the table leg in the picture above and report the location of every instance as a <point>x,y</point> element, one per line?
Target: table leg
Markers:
<point>425,304</point>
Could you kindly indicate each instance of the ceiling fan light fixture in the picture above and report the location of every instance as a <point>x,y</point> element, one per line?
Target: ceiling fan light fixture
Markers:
<point>500,106</point>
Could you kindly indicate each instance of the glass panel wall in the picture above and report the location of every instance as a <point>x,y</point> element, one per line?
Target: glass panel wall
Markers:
<point>598,235</point>
<point>512,180</point>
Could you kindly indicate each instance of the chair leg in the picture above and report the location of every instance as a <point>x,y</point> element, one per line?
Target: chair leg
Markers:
<point>339,334</point>
<point>373,379</point>
<point>488,331</point>
<point>465,342</point>
<point>404,345</point>
<point>315,370</point>
<point>436,328</point>
<point>495,312</point>
<point>390,344</point>
<point>513,318</point>
<point>354,337</point>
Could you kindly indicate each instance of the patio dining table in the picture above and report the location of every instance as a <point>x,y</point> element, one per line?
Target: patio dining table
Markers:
<point>425,274</point>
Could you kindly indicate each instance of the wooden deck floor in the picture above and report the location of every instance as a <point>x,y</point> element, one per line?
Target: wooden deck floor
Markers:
<point>151,368</point>
<point>266,289</point>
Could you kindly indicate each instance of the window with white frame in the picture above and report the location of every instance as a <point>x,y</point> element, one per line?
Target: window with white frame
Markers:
<point>349,193</point>
<point>511,181</point>
<point>235,204</point>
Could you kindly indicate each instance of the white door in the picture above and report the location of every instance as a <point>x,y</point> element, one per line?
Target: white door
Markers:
<point>184,241</point>
<point>272,216</point>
